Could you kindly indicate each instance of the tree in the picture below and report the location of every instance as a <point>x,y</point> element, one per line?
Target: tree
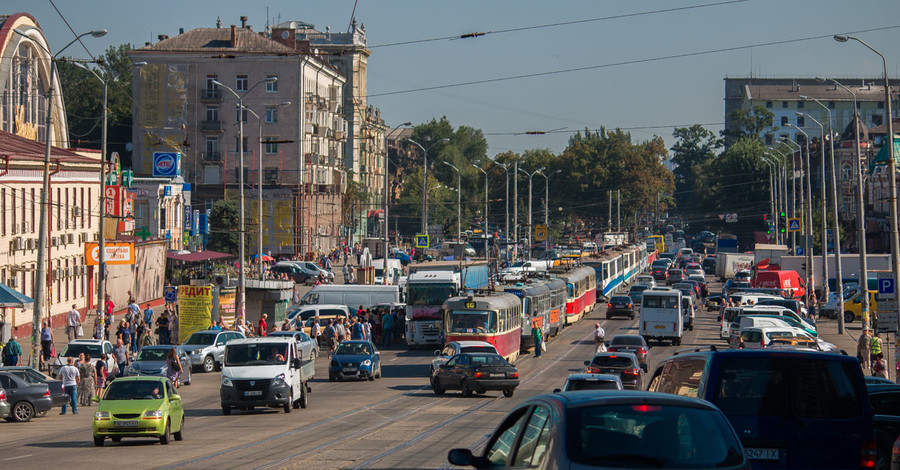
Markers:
<point>224,218</point>
<point>743,123</point>
<point>694,148</point>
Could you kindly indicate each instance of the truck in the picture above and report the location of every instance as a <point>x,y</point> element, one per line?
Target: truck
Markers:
<point>427,287</point>
<point>351,295</point>
<point>772,253</point>
<point>661,315</point>
<point>849,267</point>
<point>394,271</point>
<point>266,372</point>
<point>727,264</point>
<point>726,243</point>
<point>522,269</point>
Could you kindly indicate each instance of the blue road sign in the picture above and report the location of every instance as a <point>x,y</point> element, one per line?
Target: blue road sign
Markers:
<point>886,285</point>
<point>170,293</point>
<point>793,225</point>
<point>798,251</point>
<point>422,241</point>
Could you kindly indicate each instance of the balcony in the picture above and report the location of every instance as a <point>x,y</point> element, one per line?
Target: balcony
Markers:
<point>211,95</point>
<point>211,127</point>
<point>212,156</point>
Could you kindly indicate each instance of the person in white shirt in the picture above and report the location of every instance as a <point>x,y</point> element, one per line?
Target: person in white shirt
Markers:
<point>70,377</point>
<point>73,321</point>
<point>599,337</point>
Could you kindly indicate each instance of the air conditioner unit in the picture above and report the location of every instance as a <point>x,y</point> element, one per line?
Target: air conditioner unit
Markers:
<point>322,131</point>
<point>68,272</point>
<point>80,238</point>
<point>54,275</point>
<point>19,243</point>
<point>96,237</point>
<point>54,241</point>
<point>12,282</point>
<point>70,237</point>
<point>83,269</point>
<point>76,211</point>
<point>29,244</point>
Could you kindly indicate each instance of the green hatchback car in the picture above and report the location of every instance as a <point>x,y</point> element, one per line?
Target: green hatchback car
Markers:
<point>144,406</point>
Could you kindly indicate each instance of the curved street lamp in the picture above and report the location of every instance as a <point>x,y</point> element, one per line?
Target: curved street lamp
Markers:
<point>425,181</point>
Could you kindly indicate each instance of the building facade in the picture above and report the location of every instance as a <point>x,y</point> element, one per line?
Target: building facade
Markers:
<point>293,130</point>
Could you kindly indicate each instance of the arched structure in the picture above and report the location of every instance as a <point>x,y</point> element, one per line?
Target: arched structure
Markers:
<point>24,78</point>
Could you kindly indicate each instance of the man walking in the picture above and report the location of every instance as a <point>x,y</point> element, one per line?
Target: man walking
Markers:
<point>876,348</point>
<point>70,377</point>
<point>11,353</point>
<point>864,349</point>
<point>387,334</point>
<point>148,315</point>
<point>73,321</point>
<point>121,353</point>
<point>538,336</point>
<point>330,337</point>
<point>599,337</point>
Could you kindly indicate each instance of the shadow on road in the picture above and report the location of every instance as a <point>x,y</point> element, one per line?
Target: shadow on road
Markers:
<point>406,370</point>
<point>60,444</point>
<point>198,412</point>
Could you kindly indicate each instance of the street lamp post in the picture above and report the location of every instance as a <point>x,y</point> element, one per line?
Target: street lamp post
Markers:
<point>505,167</point>
<point>40,285</point>
<point>861,209</point>
<point>458,199</point>
<point>425,181</point>
<point>242,276</point>
<point>892,166</point>
<point>825,276</point>
<point>771,167</point>
<point>530,226</point>
<point>800,200</point>
<point>807,221</point>
<point>484,170</point>
<point>387,238</point>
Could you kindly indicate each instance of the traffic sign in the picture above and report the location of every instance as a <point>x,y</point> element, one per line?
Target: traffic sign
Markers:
<point>798,251</point>
<point>422,241</point>
<point>794,224</point>
<point>886,285</point>
<point>887,322</point>
<point>540,233</point>
<point>886,306</point>
<point>170,293</point>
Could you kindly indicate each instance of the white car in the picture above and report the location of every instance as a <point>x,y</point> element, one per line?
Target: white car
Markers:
<point>697,272</point>
<point>94,347</point>
<point>206,348</point>
<point>645,280</point>
<point>742,276</point>
<point>457,347</point>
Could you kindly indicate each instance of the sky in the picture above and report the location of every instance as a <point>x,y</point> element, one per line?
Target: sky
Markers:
<point>621,48</point>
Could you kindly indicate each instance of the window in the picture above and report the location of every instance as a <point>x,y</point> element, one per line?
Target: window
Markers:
<point>831,105</point>
<point>801,121</point>
<point>881,105</point>
<point>271,144</point>
<point>209,82</point>
<point>237,144</point>
<point>500,450</point>
<point>240,114</point>
<point>241,83</point>
<point>784,120</point>
<point>212,113</point>
<point>769,139</point>
<point>271,115</point>
<point>535,436</point>
<point>212,144</point>
<point>846,173</point>
<point>784,104</point>
<point>272,87</point>
<point>800,105</point>
<point>768,104</point>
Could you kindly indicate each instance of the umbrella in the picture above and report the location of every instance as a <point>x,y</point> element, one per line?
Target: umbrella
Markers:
<point>264,257</point>
<point>11,298</point>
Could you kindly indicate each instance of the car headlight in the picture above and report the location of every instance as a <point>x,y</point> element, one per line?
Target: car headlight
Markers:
<point>366,363</point>
<point>131,370</point>
<point>279,381</point>
<point>226,381</point>
<point>153,414</point>
<point>101,415</point>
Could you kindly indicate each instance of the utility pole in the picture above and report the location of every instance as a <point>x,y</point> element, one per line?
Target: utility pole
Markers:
<point>609,217</point>
<point>619,210</point>
<point>516,210</point>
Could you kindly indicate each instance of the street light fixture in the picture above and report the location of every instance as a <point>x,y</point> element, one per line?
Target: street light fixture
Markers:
<point>807,214</point>
<point>242,277</point>
<point>425,181</point>
<point>40,285</point>
<point>892,166</point>
<point>484,170</point>
<point>794,175</point>
<point>861,209</point>
<point>505,167</point>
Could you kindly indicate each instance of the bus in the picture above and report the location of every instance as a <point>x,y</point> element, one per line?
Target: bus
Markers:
<point>535,310</point>
<point>658,241</point>
<point>581,292</point>
<point>492,317</point>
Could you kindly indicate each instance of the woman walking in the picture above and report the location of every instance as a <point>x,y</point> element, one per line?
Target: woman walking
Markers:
<point>100,374</point>
<point>173,367</point>
<point>46,344</point>
<point>86,385</point>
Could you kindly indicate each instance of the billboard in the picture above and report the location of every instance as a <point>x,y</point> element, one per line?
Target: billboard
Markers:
<point>114,253</point>
<point>194,309</point>
<point>166,164</point>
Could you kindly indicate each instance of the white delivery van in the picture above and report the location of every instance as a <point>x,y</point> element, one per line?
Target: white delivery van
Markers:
<point>264,372</point>
<point>351,295</point>
<point>661,316</point>
<point>394,271</point>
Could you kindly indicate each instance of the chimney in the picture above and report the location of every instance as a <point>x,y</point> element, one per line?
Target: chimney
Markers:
<point>233,36</point>
<point>243,22</point>
<point>180,30</point>
<point>160,37</point>
<point>285,36</point>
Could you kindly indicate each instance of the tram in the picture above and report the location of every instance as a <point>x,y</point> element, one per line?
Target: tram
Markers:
<point>535,310</point>
<point>615,268</point>
<point>492,317</point>
<point>581,293</point>
<point>557,288</point>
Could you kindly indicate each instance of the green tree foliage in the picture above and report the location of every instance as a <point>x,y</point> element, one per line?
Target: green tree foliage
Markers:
<point>737,181</point>
<point>83,95</point>
<point>694,148</point>
<point>224,220</point>
<point>747,123</point>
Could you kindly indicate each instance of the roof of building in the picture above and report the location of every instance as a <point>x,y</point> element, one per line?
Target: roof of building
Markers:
<point>882,129</point>
<point>821,91</point>
<point>219,40</point>
<point>20,148</point>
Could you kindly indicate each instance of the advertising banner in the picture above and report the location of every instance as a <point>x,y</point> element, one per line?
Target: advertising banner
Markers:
<point>166,164</point>
<point>194,309</point>
<point>115,253</point>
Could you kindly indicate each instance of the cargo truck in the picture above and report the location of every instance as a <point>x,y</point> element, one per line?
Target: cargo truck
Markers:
<point>727,264</point>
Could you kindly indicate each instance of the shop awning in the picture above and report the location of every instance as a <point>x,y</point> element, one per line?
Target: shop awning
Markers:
<point>11,298</point>
<point>198,256</point>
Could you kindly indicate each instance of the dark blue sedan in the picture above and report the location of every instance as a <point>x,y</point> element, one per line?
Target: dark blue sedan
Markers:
<point>355,360</point>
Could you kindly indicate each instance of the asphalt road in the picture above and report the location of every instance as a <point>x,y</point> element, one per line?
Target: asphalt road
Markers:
<point>393,422</point>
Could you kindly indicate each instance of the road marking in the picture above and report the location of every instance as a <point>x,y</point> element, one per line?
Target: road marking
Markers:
<point>18,457</point>
<point>394,359</point>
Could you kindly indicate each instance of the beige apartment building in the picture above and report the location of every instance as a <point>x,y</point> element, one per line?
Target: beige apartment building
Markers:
<point>293,129</point>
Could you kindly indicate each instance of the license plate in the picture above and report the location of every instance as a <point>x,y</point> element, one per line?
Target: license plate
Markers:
<point>761,454</point>
<point>498,375</point>
<point>349,369</point>
<point>126,424</point>
<point>618,306</point>
<point>253,393</point>
<point>660,327</point>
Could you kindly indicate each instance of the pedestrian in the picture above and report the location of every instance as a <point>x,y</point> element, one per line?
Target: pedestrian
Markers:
<point>879,366</point>
<point>73,321</point>
<point>346,271</point>
<point>46,343</point>
<point>366,323</point>
<point>125,334</point>
<point>134,311</point>
<point>538,336</point>
<point>240,328</point>
<point>315,331</point>
<point>121,355</point>
<point>148,315</point>
<point>173,367</point>
<point>876,348</point>
<point>70,378</point>
<point>357,332</point>
<point>109,307</point>
<point>262,328</point>
<point>285,325</point>
<point>11,352</point>
<point>864,349</point>
<point>86,385</point>
<point>339,330</point>
<point>162,325</point>
<point>330,337</point>
<point>813,307</point>
<point>599,337</point>
<point>387,328</point>
<point>173,326</point>
<point>101,374</point>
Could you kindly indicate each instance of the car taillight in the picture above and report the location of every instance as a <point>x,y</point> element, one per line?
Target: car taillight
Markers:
<point>868,454</point>
<point>479,375</point>
<point>591,370</point>
<point>2,395</point>
<point>513,375</point>
<point>47,394</point>
<point>645,408</point>
<point>630,305</point>
<point>608,306</point>
<point>642,351</point>
<point>611,349</point>
<point>634,371</point>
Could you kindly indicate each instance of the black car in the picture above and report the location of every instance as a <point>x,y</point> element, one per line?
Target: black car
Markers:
<point>32,376</point>
<point>631,343</point>
<point>25,399</point>
<point>620,305</point>
<point>885,401</point>
<point>475,372</point>
<point>625,364</point>
<point>709,264</point>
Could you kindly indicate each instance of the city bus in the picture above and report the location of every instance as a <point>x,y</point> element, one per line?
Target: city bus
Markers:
<point>658,241</point>
<point>492,317</point>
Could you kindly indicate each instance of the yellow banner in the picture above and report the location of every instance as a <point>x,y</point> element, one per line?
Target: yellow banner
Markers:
<point>194,309</point>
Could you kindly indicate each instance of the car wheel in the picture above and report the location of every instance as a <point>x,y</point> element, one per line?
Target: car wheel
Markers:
<point>226,410</point>
<point>312,355</point>
<point>166,436</point>
<point>179,436</point>
<point>509,392</point>
<point>304,396</point>
<point>98,441</point>
<point>848,317</point>
<point>632,315</point>
<point>23,411</point>
<point>209,364</point>
<point>436,388</point>
<point>331,377</point>
<point>465,389</point>
<point>290,404</point>
<point>116,438</point>
<point>378,376</point>
<point>372,376</point>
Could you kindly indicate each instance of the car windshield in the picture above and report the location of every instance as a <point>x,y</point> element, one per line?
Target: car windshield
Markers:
<point>152,354</point>
<point>353,349</point>
<point>613,361</point>
<point>429,294</point>
<point>473,321</point>
<point>583,384</point>
<point>201,339</point>
<point>659,301</point>
<point>74,349</point>
<point>252,354</point>
<point>478,349</point>
<point>650,436</point>
<point>800,387</point>
<point>637,289</point>
<point>134,390</point>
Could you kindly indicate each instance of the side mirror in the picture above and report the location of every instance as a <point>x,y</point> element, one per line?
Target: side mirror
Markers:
<point>378,353</point>
<point>443,366</point>
<point>220,343</point>
<point>437,353</point>
<point>644,366</point>
<point>587,363</point>
<point>295,364</point>
<point>557,390</point>
<point>174,397</point>
<point>460,457</point>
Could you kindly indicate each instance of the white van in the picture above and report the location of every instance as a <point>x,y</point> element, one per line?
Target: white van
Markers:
<point>306,312</point>
<point>351,295</point>
<point>661,316</point>
<point>394,271</point>
<point>264,372</point>
<point>748,298</point>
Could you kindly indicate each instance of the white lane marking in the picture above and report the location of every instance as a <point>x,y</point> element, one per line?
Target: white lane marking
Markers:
<point>18,457</point>
<point>394,359</point>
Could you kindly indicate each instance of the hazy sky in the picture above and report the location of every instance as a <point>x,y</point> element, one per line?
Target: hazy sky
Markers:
<point>648,97</point>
